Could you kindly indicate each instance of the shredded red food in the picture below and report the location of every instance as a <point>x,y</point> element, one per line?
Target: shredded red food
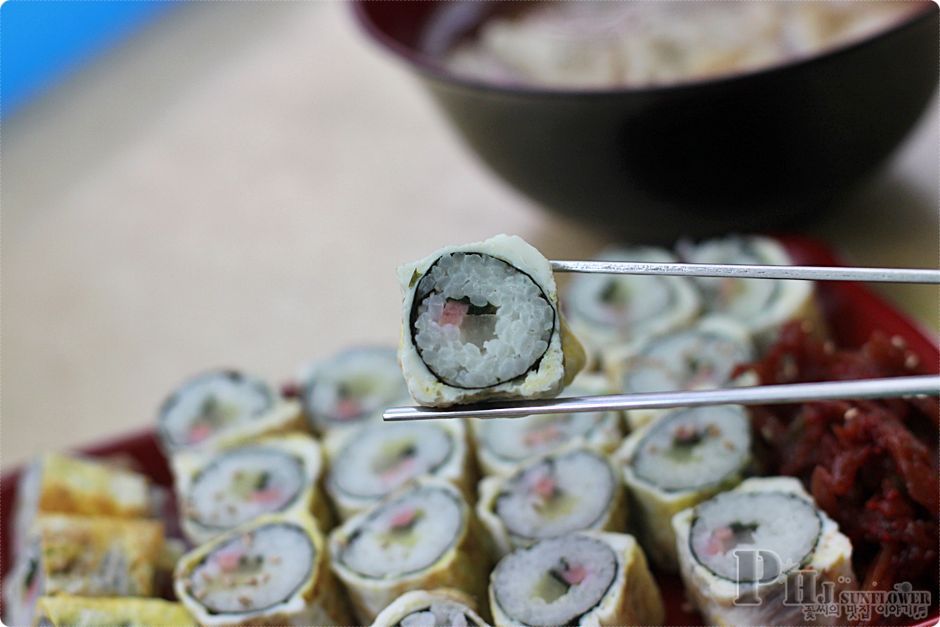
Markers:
<point>871,465</point>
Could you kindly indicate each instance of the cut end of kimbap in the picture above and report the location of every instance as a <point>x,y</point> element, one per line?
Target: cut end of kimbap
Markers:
<point>244,483</point>
<point>785,525</point>
<point>402,535</point>
<point>438,608</point>
<point>352,387</point>
<point>482,321</point>
<point>554,582</point>
<point>258,570</point>
<point>210,404</point>
<point>693,448</point>
<point>559,494</point>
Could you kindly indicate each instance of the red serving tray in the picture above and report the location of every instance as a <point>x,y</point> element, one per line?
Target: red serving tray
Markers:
<point>853,310</point>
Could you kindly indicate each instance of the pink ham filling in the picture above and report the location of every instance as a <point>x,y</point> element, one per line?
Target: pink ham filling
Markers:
<point>574,575</point>
<point>403,518</point>
<point>453,313</point>
<point>538,437</point>
<point>269,495</point>
<point>199,433</point>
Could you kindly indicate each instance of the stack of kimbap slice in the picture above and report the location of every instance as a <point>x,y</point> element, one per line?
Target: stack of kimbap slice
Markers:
<point>438,608</point>
<point>587,578</point>
<point>272,570</point>
<point>740,551</point>
<point>422,537</point>
<point>72,611</point>
<point>567,491</point>
<point>682,459</point>
<point>220,490</point>
<point>502,444</point>
<point>223,407</point>
<point>481,321</point>
<point>86,556</point>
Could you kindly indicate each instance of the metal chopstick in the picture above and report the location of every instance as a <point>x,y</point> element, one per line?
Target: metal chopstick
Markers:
<point>755,395</point>
<point>743,271</point>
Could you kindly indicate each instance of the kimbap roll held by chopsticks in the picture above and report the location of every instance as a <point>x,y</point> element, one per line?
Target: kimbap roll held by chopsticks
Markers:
<point>70,611</point>
<point>702,356</point>
<point>378,459</point>
<point>717,543</point>
<point>66,484</point>
<point>219,490</point>
<point>762,306</point>
<point>481,321</point>
<point>587,579</point>
<point>351,387</point>
<point>566,491</point>
<point>85,556</point>
<point>609,310</point>
<point>437,608</point>
<point>683,458</point>
<point>223,407</point>
<point>271,571</point>
<point>503,444</point>
<point>422,537</point>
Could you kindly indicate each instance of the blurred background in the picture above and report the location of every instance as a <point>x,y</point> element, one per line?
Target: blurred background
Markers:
<point>208,184</point>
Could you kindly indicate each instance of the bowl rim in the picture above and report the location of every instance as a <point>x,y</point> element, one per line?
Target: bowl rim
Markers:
<point>434,69</point>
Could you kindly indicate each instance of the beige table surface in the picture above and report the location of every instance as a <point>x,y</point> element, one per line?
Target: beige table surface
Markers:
<point>235,187</point>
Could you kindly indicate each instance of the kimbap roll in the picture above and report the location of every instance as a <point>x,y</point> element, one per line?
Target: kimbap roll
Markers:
<point>65,484</point>
<point>271,571</point>
<point>438,608</point>
<point>481,321</point>
<point>69,611</point>
<point>762,305</point>
<point>699,357</point>
<point>217,491</point>
<point>567,491</point>
<point>378,459</point>
<point>685,457</point>
<point>717,543</point>
<point>85,556</point>
<point>352,387</point>
<point>503,443</point>
<point>587,578</point>
<point>223,407</point>
<point>422,537</point>
<point>606,310</point>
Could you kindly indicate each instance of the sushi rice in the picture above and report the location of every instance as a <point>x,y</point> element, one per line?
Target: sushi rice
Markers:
<point>481,321</point>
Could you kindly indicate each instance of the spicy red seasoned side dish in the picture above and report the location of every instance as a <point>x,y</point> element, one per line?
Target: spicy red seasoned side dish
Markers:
<point>871,465</point>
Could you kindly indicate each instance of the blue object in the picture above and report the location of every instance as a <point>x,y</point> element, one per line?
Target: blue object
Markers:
<point>42,41</point>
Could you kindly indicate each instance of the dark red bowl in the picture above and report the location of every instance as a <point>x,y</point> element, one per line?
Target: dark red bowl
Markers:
<point>745,152</point>
<point>853,311</point>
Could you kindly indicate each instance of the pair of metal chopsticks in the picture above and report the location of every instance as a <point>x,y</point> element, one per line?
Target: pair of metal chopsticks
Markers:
<point>755,395</point>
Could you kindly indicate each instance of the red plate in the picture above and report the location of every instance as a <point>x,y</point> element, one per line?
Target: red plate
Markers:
<point>854,311</point>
